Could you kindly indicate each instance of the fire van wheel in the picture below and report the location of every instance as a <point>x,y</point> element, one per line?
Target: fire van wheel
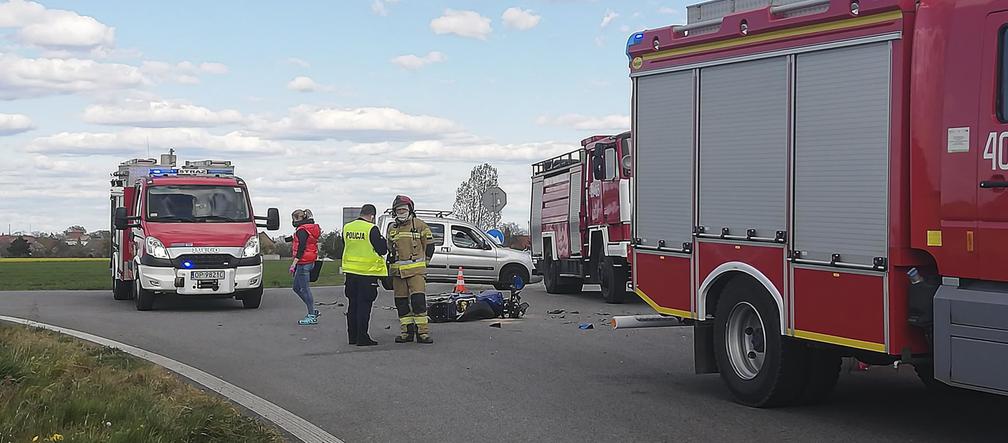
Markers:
<point>251,299</point>
<point>551,277</point>
<point>144,299</point>
<point>760,367</point>
<point>122,289</point>
<point>612,280</point>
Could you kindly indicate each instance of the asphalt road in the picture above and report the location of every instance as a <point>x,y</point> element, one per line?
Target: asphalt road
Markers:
<point>536,379</point>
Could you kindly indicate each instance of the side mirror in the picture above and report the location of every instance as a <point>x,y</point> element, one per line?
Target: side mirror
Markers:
<point>119,219</point>
<point>272,219</point>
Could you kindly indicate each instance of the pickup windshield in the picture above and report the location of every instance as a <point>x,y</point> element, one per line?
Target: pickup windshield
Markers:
<point>196,203</point>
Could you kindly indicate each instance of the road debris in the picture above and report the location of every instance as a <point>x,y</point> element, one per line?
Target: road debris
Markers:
<point>586,326</point>
<point>555,312</point>
<point>495,325</point>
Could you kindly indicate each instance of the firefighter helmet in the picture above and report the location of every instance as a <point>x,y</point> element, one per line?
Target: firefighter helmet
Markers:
<point>400,201</point>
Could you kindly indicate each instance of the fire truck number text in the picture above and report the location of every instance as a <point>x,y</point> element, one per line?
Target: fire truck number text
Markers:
<point>995,151</point>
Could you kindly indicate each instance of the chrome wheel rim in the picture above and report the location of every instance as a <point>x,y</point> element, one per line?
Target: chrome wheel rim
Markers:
<point>745,340</point>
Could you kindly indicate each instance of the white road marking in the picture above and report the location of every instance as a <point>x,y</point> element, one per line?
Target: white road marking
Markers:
<point>283,418</point>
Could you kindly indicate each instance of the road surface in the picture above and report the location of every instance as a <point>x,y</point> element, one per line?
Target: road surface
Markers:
<point>536,379</point>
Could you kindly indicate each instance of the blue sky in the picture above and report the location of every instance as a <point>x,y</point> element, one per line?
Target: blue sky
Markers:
<point>320,104</point>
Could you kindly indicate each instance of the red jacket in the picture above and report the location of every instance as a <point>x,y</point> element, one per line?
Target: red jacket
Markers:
<point>311,245</point>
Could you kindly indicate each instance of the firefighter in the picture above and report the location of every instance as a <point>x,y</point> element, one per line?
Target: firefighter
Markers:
<point>411,246</point>
<point>364,251</point>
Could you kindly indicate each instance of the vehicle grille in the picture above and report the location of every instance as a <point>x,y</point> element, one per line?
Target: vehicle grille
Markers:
<point>207,260</point>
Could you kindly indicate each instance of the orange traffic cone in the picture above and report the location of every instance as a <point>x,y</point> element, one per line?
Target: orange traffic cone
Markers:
<point>459,283</point>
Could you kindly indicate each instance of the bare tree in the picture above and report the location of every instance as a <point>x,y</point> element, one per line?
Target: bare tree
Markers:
<point>468,198</point>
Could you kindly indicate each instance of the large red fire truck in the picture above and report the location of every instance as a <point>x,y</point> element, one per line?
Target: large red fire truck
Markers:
<point>580,221</point>
<point>822,178</point>
<point>184,230</point>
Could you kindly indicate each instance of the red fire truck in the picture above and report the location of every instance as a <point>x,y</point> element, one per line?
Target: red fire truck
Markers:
<point>184,230</point>
<point>826,178</point>
<point>580,221</point>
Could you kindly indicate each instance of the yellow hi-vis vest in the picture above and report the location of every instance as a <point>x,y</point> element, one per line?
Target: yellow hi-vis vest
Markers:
<point>359,257</point>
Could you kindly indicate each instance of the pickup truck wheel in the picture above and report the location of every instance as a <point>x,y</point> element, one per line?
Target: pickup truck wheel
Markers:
<point>612,280</point>
<point>252,298</point>
<point>122,289</point>
<point>760,367</point>
<point>144,299</point>
<point>507,277</point>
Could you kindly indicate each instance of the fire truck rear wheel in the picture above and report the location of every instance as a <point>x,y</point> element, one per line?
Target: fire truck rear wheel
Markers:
<point>122,289</point>
<point>612,279</point>
<point>252,298</point>
<point>760,366</point>
<point>143,298</point>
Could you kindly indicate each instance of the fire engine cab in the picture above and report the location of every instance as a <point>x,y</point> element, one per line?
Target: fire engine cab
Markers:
<point>580,221</point>
<point>186,230</point>
<point>826,178</point>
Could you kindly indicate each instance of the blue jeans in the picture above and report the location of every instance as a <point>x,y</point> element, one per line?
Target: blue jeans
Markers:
<point>302,277</point>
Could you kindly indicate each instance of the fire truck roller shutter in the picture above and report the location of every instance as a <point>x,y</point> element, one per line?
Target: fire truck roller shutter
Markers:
<point>664,143</point>
<point>743,147</point>
<point>536,224</point>
<point>841,153</point>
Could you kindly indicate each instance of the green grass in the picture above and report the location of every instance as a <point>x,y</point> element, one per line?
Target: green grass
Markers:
<point>56,388</point>
<point>61,274</point>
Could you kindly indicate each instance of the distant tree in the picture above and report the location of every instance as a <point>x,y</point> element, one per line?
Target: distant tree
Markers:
<point>331,245</point>
<point>469,198</point>
<point>19,248</point>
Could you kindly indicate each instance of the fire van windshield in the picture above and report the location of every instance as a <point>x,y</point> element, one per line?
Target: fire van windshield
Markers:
<point>196,203</point>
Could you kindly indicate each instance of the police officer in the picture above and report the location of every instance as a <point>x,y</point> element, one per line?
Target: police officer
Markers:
<point>364,250</point>
<point>411,246</point>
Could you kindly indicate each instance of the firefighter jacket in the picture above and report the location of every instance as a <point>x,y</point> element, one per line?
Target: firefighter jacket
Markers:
<point>359,255</point>
<point>410,244</point>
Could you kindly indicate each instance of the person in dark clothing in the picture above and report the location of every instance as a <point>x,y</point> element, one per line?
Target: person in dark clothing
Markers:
<point>364,250</point>
<point>305,250</point>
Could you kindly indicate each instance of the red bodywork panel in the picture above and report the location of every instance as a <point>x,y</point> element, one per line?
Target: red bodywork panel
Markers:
<point>664,282</point>
<point>845,306</point>
<point>201,234</point>
<point>769,260</point>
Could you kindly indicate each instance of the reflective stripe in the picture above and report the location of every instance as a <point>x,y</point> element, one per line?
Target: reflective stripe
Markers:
<point>407,320</point>
<point>409,265</point>
<point>420,319</point>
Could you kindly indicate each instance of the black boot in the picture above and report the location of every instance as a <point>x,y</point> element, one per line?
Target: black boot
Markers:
<point>406,334</point>
<point>366,341</point>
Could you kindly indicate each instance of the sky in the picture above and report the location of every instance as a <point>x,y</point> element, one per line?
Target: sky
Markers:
<point>319,104</point>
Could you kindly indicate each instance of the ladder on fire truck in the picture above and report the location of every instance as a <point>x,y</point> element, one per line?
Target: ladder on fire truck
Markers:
<point>560,162</point>
<point>706,17</point>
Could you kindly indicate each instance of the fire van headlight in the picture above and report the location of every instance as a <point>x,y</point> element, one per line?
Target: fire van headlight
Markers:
<point>155,248</point>
<point>251,247</point>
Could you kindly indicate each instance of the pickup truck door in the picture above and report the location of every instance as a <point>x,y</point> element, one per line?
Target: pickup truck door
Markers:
<point>473,253</point>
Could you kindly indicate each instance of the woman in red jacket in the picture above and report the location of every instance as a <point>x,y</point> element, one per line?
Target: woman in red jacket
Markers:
<point>305,250</point>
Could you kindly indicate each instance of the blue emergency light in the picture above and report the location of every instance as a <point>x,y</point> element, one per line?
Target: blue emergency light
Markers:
<point>158,172</point>
<point>187,264</point>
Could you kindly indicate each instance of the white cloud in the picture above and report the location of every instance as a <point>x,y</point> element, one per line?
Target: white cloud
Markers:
<point>302,84</point>
<point>521,19</point>
<point>11,124</point>
<point>37,77</point>
<point>383,168</point>
<point>185,72</point>
<point>134,142</point>
<point>353,124</point>
<point>462,23</point>
<point>483,151</point>
<point>298,62</point>
<point>159,114</point>
<point>380,7</point>
<point>609,16</point>
<point>414,62</point>
<point>668,10</point>
<point>55,29</point>
<point>613,122</point>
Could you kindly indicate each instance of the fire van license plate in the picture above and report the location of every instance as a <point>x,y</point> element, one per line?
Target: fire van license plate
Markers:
<point>208,275</point>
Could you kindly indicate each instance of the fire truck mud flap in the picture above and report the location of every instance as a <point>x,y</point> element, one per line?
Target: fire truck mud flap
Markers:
<point>971,338</point>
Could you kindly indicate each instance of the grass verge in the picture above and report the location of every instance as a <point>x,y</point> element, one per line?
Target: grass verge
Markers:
<point>57,388</point>
<point>63,274</point>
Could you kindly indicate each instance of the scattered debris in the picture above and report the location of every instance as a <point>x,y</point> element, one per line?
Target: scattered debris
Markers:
<point>388,308</point>
<point>555,312</point>
<point>388,327</point>
<point>340,305</point>
<point>602,313</point>
<point>304,338</point>
<point>563,316</point>
<point>575,312</point>
<point>495,325</point>
<point>586,326</point>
